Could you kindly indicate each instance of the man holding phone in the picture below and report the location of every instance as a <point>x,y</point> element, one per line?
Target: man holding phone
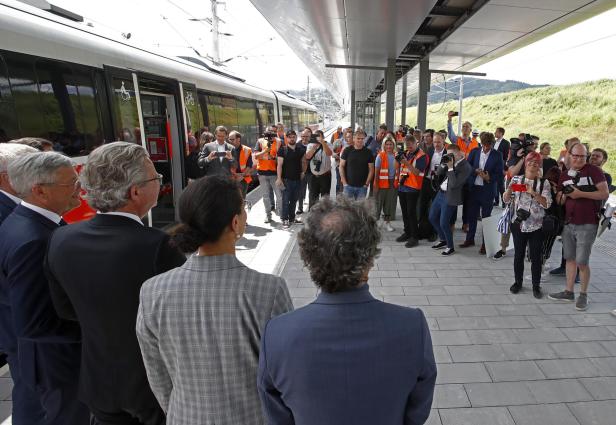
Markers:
<point>216,157</point>
<point>319,156</point>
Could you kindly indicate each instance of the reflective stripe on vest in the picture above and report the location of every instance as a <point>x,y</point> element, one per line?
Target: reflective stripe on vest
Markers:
<point>268,164</point>
<point>467,149</point>
<point>383,177</point>
<point>244,155</point>
<point>414,181</point>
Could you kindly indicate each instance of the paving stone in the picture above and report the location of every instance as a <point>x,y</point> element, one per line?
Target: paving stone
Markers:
<point>449,299</point>
<point>518,310</point>
<point>567,368</point>
<point>540,335</point>
<point>459,323</point>
<point>462,373</point>
<point>594,412</point>
<point>400,281</point>
<point>434,418</point>
<point>601,388</point>
<point>416,273</point>
<point>450,395</point>
<point>422,290</point>
<point>558,391</point>
<point>488,336</point>
<point>610,346</point>
<point>476,310</point>
<point>544,414</point>
<point>303,292</point>
<point>552,321</point>
<point>441,354</point>
<point>588,334</point>
<point>386,290</point>
<point>606,365</point>
<point>528,351</point>
<point>514,371</point>
<point>579,350</point>
<point>406,300</point>
<point>463,289</point>
<point>508,322</point>
<point>603,319</point>
<point>477,353</point>
<point>439,311</point>
<point>499,394</point>
<point>477,416</point>
<point>450,338</point>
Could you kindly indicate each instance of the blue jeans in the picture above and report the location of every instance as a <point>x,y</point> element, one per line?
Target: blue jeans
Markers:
<point>355,192</point>
<point>440,217</point>
<point>290,195</point>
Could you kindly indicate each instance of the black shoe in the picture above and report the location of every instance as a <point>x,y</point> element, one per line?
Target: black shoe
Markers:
<point>411,243</point>
<point>273,208</point>
<point>448,251</point>
<point>537,292</point>
<point>515,288</point>
<point>496,203</point>
<point>440,245</point>
<point>299,212</point>
<point>402,238</point>
<point>558,271</point>
<point>499,255</point>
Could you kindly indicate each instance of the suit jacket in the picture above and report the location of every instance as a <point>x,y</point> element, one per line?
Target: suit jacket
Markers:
<point>347,358</point>
<point>96,269</point>
<point>456,179</point>
<point>503,148</point>
<point>48,346</point>
<point>494,166</point>
<point>199,327</point>
<point>216,166</point>
<point>6,206</point>
<point>7,335</point>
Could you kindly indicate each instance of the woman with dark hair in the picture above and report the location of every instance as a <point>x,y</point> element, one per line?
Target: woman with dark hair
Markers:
<point>200,325</point>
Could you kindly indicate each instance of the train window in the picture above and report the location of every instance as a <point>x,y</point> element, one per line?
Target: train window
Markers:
<point>25,96</point>
<point>266,114</point>
<point>294,119</point>
<point>8,121</point>
<point>125,108</point>
<point>247,121</point>
<point>286,116</point>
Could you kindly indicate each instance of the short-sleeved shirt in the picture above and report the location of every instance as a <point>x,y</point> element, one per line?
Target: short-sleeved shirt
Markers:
<point>357,165</point>
<point>583,210</point>
<point>292,161</point>
<point>326,162</point>
<point>421,164</point>
<point>391,164</point>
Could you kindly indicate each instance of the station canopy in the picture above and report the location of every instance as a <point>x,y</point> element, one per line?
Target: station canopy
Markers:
<point>456,35</point>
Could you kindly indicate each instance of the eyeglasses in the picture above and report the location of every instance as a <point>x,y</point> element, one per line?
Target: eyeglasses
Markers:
<point>75,185</point>
<point>578,156</point>
<point>158,177</point>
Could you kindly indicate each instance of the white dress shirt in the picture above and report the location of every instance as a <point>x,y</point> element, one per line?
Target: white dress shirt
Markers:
<point>483,158</point>
<point>42,211</point>
<point>12,197</point>
<point>497,144</point>
<point>435,161</point>
<point>122,214</point>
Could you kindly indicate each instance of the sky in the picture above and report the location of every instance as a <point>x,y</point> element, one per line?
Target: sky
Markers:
<point>257,53</point>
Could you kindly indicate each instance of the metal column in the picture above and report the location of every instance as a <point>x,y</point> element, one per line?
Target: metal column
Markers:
<point>424,88</point>
<point>390,87</point>
<point>353,110</point>
<point>403,116</point>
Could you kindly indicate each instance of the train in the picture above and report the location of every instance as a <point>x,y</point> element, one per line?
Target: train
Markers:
<point>62,81</point>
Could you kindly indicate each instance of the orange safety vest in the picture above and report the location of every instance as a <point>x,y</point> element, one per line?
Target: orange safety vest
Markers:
<point>467,149</point>
<point>413,181</point>
<point>244,155</point>
<point>268,164</point>
<point>336,136</point>
<point>383,176</point>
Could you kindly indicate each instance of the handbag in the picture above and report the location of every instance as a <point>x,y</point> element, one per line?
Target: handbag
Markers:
<point>504,222</point>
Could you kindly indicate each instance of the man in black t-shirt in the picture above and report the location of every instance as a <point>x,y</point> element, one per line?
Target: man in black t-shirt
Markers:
<point>356,167</point>
<point>291,169</point>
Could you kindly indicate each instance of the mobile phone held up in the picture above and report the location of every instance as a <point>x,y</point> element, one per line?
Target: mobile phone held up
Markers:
<point>518,187</point>
<point>455,114</point>
<point>221,154</point>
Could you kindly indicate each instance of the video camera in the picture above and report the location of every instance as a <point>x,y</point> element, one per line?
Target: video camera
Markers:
<point>270,136</point>
<point>525,144</point>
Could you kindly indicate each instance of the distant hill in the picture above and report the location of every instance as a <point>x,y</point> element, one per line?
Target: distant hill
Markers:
<point>553,113</point>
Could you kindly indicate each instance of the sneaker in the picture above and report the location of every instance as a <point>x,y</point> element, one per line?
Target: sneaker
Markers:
<point>562,296</point>
<point>448,251</point>
<point>499,255</point>
<point>440,245</point>
<point>558,271</point>
<point>402,238</point>
<point>411,243</point>
<point>515,288</point>
<point>537,292</point>
<point>389,227</point>
<point>582,302</point>
<point>285,224</point>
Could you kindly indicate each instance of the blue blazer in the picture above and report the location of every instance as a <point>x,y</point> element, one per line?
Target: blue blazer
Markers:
<point>48,347</point>
<point>347,358</point>
<point>6,206</point>
<point>494,166</point>
<point>6,323</point>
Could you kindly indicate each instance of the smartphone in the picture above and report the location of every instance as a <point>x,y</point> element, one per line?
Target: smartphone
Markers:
<point>221,154</point>
<point>313,138</point>
<point>455,114</point>
<point>518,187</point>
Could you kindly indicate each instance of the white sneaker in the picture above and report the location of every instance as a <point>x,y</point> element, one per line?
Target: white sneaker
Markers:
<point>389,227</point>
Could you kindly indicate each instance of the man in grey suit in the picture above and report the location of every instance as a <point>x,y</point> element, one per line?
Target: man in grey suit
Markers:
<point>453,173</point>
<point>217,157</point>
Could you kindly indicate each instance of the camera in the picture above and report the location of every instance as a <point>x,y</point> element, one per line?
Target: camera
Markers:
<point>317,165</point>
<point>270,136</point>
<point>447,158</point>
<point>525,144</point>
<point>521,215</point>
<point>400,155</point>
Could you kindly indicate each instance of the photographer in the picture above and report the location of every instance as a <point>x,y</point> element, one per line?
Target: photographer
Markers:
<point>429,187</point>
<point>265,153</point>
<point>414,163</point>
<point>520,147</point>
<point>582,189</point>
<point>319,156</point>
<point>357,167</point>
<point>216,157</point>
<point>454,171</point>
<point>531,197</point>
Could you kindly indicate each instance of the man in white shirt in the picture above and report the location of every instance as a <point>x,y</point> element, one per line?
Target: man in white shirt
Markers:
<point>435,152</point>
<point>501,145</point>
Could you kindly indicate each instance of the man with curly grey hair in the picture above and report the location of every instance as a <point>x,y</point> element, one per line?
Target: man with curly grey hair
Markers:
<point>116,253</point>
<point>346,345</point>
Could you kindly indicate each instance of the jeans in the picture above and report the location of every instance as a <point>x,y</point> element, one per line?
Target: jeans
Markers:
<point>481,198</point>
<point>535,242</point>
<point>339,186</point>
<point>355,192</point>
<point>268,189</point>
<point>440,217</point>
<point>408,205</point>
<point>290,194</point>
<point>305,182</point>
<point>319,187</point>
<point>425,199</point>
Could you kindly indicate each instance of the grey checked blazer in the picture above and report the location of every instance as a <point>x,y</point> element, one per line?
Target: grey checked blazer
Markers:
<point>199,327</point>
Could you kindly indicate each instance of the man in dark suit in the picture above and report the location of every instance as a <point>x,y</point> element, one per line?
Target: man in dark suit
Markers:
<point>217,157</point>
<point>47,347</point>
<point>501,145</point>
<point>487,170</point>
<point>347,358</point>
<point>96,269</point>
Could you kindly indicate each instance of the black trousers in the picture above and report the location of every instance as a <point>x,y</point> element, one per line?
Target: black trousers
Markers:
<point>319,186</point>
<point>144,415</point>
<point>534,240</point>
<point>425,201</point>
<point>408,205</point>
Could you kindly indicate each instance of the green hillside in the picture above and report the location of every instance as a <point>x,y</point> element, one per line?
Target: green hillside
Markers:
<point>553,113</point>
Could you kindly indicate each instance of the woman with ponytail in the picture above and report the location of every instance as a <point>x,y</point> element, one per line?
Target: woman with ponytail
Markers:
<point>199,325</point>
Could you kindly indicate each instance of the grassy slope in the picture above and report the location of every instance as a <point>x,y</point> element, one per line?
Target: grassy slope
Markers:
<point>555,113</point>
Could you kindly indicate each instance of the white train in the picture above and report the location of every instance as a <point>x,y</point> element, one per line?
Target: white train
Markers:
<point>61,81</point>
